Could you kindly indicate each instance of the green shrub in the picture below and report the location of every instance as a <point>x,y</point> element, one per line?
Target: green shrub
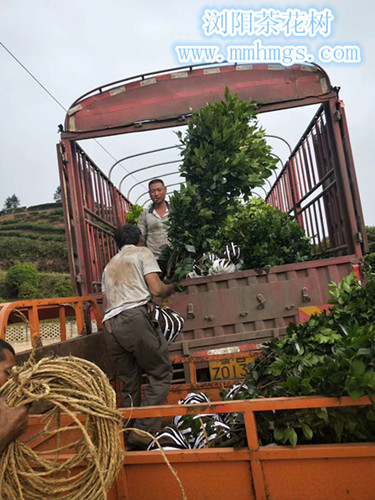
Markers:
<point>23,272</point>
<point>28,291</point>
<point>266,236</point>
<point>38,227</point>
<point>32,236</point>
<point>63,288</point>
<point>370,230</point>
<point>46,255</point>
<point>331,355</point>
<point>45,206</point>
<point>133,214</point>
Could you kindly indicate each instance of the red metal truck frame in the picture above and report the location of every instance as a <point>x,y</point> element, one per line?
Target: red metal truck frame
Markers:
<point>317,184</point>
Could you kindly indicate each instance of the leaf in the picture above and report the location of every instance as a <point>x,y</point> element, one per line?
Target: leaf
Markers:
<point>370,415</point>
<point>307,431</point>
<point>358,367</point>
<point>279,434</point>
<point>356,393</point>
<point>293,438</point>
<point>338,426</point>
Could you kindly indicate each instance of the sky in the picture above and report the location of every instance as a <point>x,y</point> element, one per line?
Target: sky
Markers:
<point>73,46</point>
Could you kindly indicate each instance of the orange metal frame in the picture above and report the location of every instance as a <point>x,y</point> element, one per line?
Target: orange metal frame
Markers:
<point>330,471</point>
<point>32,311</point>
<point>257,456</point>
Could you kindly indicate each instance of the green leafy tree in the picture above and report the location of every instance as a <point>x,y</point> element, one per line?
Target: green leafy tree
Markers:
<point>133,214</point>
<point>18,275</point>
<point>266,236</point>
<point>225,156</point>
<point>11,203</point>
<point>57,194</point>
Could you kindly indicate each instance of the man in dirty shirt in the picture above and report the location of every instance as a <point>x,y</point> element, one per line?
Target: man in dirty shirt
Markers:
<point>128,282</point>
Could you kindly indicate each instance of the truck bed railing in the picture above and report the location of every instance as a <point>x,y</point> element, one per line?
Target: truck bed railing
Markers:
<point>313,187</point>
<point>33,311</point>
<point>254,472</point>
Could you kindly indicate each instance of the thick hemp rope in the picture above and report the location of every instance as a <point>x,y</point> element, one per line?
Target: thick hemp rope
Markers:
<point>70,385</point>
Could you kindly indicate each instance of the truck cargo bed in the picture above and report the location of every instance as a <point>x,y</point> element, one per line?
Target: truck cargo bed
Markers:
<point>319,472</point>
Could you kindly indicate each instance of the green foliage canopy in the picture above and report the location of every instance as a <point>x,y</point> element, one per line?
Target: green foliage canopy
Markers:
<point>20,274</point>
<point>331,355</point>
<point>11,203</point>
<point>133,214</point>
<point>266,235</point>
<point>225,156</point>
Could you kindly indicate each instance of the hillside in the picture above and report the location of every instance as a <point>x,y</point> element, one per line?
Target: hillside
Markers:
<point>35,234</point>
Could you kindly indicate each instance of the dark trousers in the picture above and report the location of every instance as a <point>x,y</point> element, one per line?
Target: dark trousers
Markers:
<point>137,345</point>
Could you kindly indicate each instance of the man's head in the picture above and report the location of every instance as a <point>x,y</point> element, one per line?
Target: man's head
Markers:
<point>7,360</point>
<point>157,191</point>
<point>129,234</point>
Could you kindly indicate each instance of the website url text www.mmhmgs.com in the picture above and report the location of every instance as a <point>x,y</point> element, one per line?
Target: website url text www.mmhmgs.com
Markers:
<point>257,52</point>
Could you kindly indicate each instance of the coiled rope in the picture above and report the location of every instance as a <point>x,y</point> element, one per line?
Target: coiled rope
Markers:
<point>71,385</point>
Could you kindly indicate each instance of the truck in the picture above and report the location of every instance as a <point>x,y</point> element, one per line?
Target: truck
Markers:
<point>227,317</point>
<point>227,314</point>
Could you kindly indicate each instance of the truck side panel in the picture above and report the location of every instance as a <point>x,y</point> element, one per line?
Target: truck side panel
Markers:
<point>250,307</point>
<point>253,472</point>
<point>317,186</point>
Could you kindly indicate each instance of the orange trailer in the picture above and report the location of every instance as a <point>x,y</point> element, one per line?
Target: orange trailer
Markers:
<point>318,472</point>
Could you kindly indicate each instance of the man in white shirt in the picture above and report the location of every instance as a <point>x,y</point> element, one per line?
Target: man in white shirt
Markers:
<point>128,282</point>
<point>152,221</point>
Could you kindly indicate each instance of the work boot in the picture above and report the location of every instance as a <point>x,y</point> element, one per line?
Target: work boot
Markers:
<point>136,440</point>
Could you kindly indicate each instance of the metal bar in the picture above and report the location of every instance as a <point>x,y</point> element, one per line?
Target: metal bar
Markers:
<point>34,324</point>
<point>350,219</point>
<point>352,175</point>
<point>149,179</point>
<point>147,168</point>
<point>67,208</point>
<point>78,307</point>
<point>248,405</point>
<point>62,319</point>
<point>100,219</point>
<point>135,156</point>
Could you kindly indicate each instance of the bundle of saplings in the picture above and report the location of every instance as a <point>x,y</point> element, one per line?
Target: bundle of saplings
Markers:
<point>331,355</point>
<point>225,156</point>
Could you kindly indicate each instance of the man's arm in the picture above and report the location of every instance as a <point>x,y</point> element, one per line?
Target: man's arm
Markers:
<point>156,286</point>
<point>13,422</point>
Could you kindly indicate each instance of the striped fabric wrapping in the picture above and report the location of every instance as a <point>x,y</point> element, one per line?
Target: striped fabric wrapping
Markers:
<point>169,439</point>
<point>191,398</point>
<point>212,430</point>
<point>170,322</point>
<point>237,388</point>
<point>222,266</point>
<point>210,264</point>
<point>232,252</point>
<point>186,423</point>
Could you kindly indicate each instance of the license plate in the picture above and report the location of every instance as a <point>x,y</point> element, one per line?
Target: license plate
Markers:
<point>233,368</point>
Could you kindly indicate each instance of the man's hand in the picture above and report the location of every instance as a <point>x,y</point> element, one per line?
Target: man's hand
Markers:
<point>13,422</point>
<point>157,287</point>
